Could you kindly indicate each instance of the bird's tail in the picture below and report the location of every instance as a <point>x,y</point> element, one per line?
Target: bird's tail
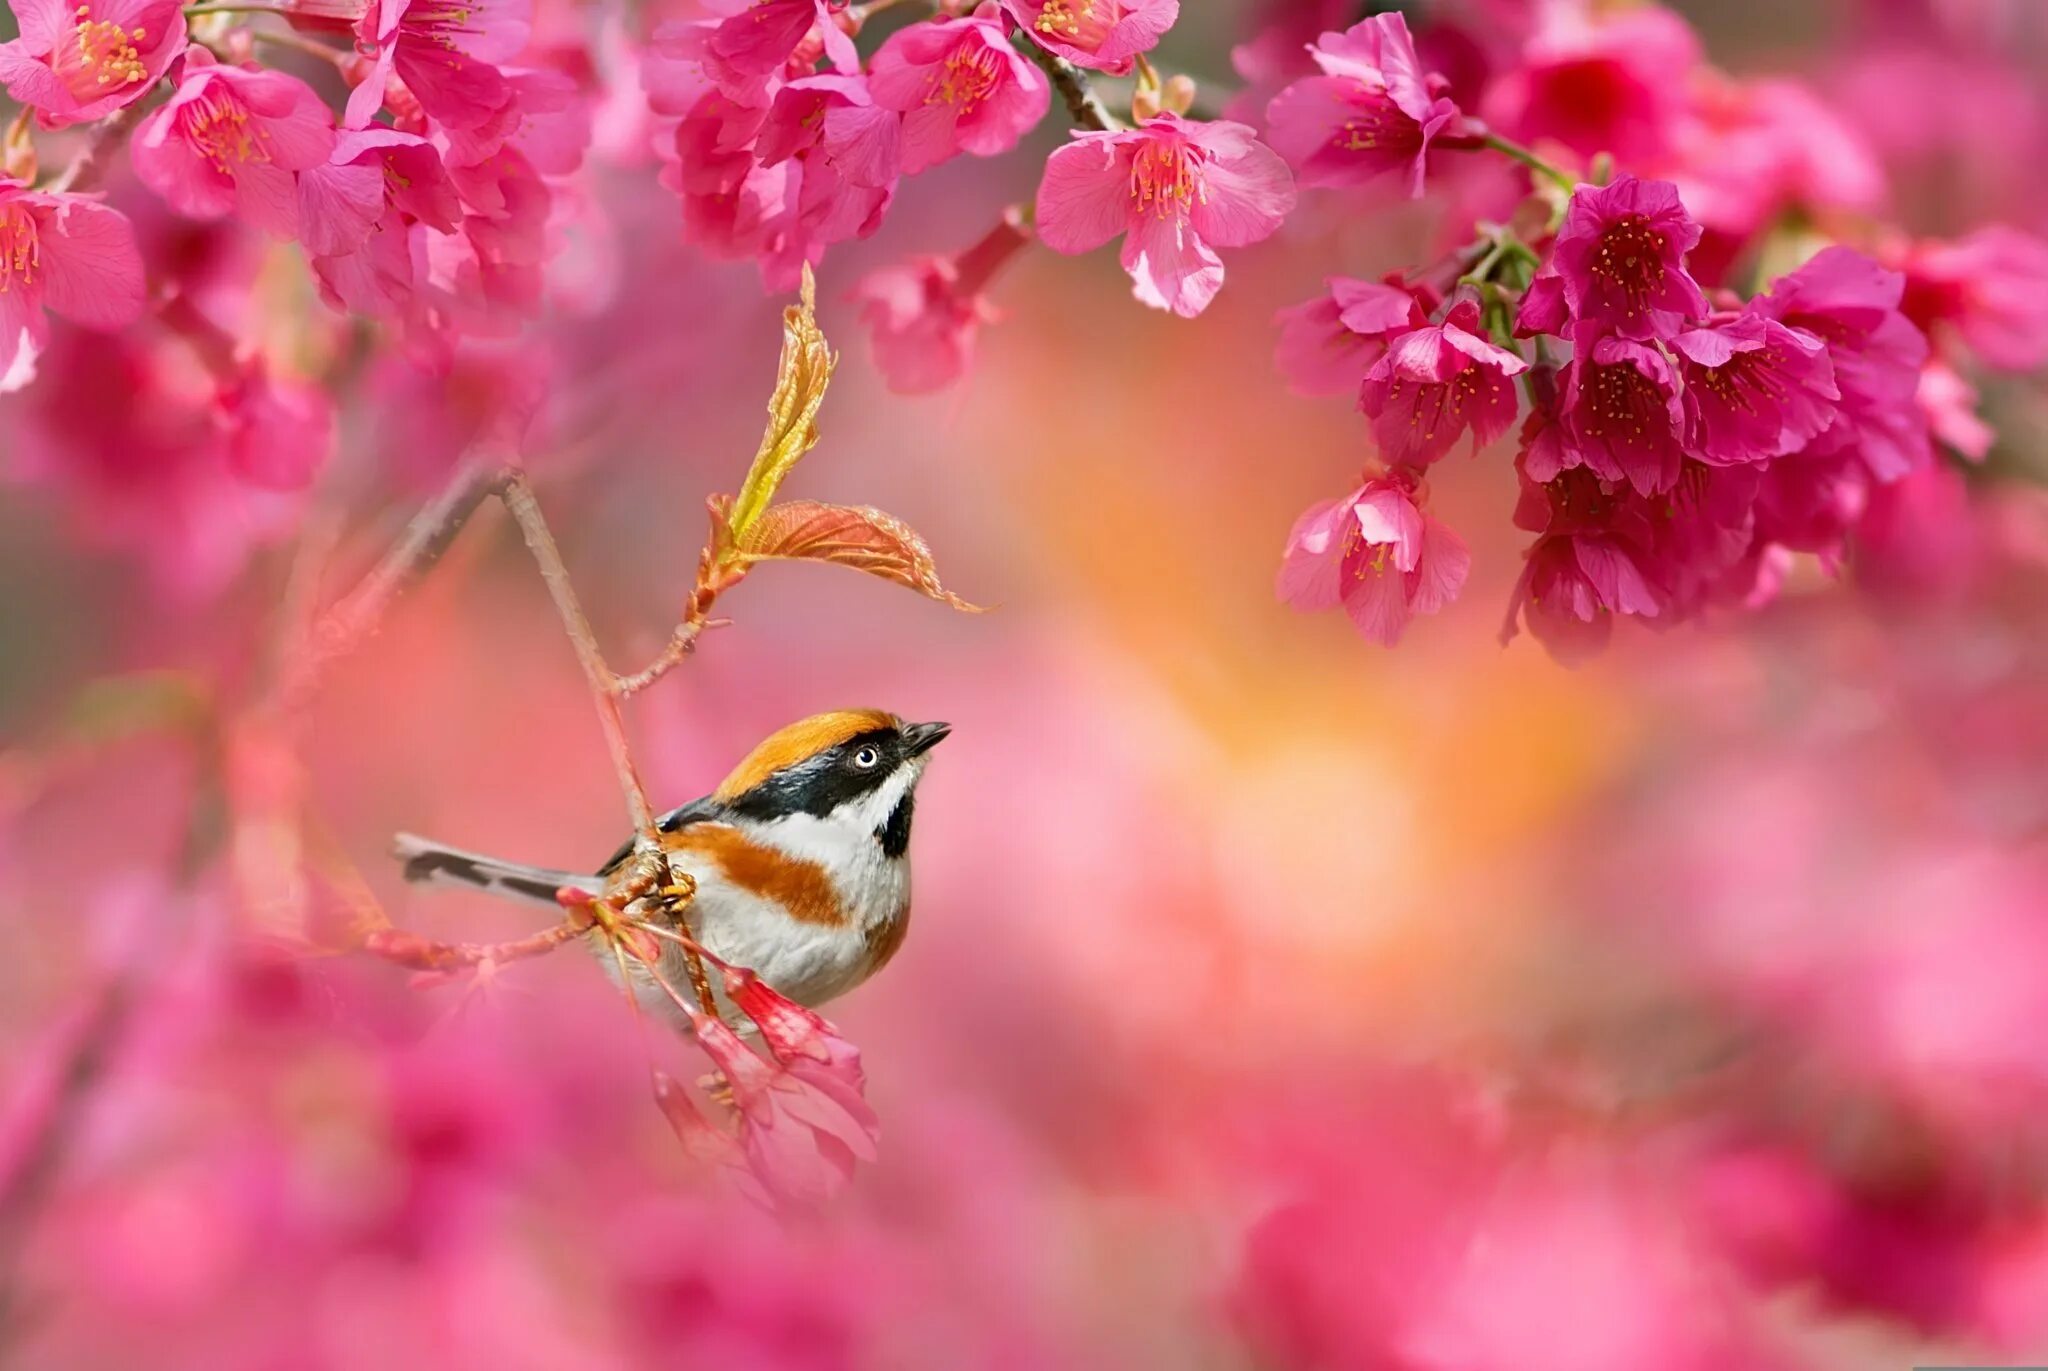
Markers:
<point>430,863</point>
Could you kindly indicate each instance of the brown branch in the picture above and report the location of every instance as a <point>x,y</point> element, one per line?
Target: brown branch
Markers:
<point>356,615</point>
<point>1084,106</point>
<point>91,159</point>
<point>40,1121</point>
<point>713,578</point>
<point>604,686</point>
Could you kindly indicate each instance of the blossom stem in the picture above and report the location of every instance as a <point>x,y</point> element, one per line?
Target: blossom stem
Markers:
<point>1508,148</point>
<point>974,268</point>
<point>214,345</point>
<point>1084,106</point>
<point>863,12</point>
<point>194,11</point>
<point>297,44</point>
<point>1482,270</point>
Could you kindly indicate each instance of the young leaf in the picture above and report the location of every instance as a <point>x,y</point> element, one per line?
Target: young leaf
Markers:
<point>801,378</point>
<point>853,536</point>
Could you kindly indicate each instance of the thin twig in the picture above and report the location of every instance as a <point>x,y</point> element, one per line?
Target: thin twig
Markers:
<point>681,643</point>
<point>1083,104</point>
<point>89,162</point>
<point>40,1123</point>
<point>604,688</point>
<point>338,632</point>
<point>333,56</point>
<point>1509,148</point>
<point>425,954</point>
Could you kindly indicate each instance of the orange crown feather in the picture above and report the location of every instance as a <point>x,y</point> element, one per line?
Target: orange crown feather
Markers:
<point>802,739</point>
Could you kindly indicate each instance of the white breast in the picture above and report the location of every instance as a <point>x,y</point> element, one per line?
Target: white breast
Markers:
<point>811,963</point>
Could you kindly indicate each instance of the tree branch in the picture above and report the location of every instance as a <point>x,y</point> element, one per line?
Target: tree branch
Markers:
<point>604,686</point>
<point>90,161</point>
<point>356,615</point>
<point>1084,106</point>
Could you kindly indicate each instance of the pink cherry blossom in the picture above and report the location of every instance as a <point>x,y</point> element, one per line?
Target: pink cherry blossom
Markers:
<point>486,278</point>
<point>801,1131</point>
<point>279,430</point>
<point>546,115</point>
<point>1622,416</point>
<point>731,203</point>
<point>1920,534</point>
<point>1104,35</point>
<point>1370,112</point>
<point>924,315</point>
<point>233,140</point>
<point>1376,553</point>
<point>1328,344</point>
<point>961,86</point>
<point>75,63</point>
<point>445,51</point>
<point>1436,382</point>
<point>847,155</point>
<point>1572,587</point>
<point>1614,83</point>
<point>1991,288</point>
<point>1754,389</point>
<point>1950,404</point>
<point>678,68</point>
<point>1852,304</point>
<point>1620,259</point>
<point>65,253</point>
<point>1695,538</point>
<point>373,173</point>
<point>1751,151</point>
<point>762,38</point>
<point>1176,189</point>
<point>147,479</point>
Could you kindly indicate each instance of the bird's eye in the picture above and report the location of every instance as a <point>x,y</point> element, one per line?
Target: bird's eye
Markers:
<point>867,759</point>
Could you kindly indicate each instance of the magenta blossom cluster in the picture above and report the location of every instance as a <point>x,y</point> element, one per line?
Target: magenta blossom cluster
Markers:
<point>775,160</point>
<point>414,168</point>
<point>1684,440</point>
<point>1682,285</point>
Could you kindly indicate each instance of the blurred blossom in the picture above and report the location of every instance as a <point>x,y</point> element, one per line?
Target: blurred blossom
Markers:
<point>1599,80</point>
<point>1270,999</point>
<point>1991,288</point>
<point>925,315</point>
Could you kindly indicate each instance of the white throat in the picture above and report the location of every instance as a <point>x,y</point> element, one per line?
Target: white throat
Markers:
<point>847,843</point>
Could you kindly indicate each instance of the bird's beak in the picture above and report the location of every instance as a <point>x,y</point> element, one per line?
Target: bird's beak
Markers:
<point>922,738</point>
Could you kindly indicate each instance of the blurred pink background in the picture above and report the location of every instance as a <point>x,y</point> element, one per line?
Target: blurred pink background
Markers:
<point>1271,999</point>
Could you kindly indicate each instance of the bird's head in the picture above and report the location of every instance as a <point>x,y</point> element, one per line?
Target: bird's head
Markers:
<point>856,768</point>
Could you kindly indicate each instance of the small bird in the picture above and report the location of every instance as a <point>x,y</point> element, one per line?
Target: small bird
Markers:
<point>801,858</point>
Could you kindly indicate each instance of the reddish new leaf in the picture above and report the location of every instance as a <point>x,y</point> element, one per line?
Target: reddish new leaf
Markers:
<point>849,535</point>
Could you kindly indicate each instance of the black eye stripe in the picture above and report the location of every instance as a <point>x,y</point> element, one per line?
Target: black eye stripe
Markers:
<point>818,785</point>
